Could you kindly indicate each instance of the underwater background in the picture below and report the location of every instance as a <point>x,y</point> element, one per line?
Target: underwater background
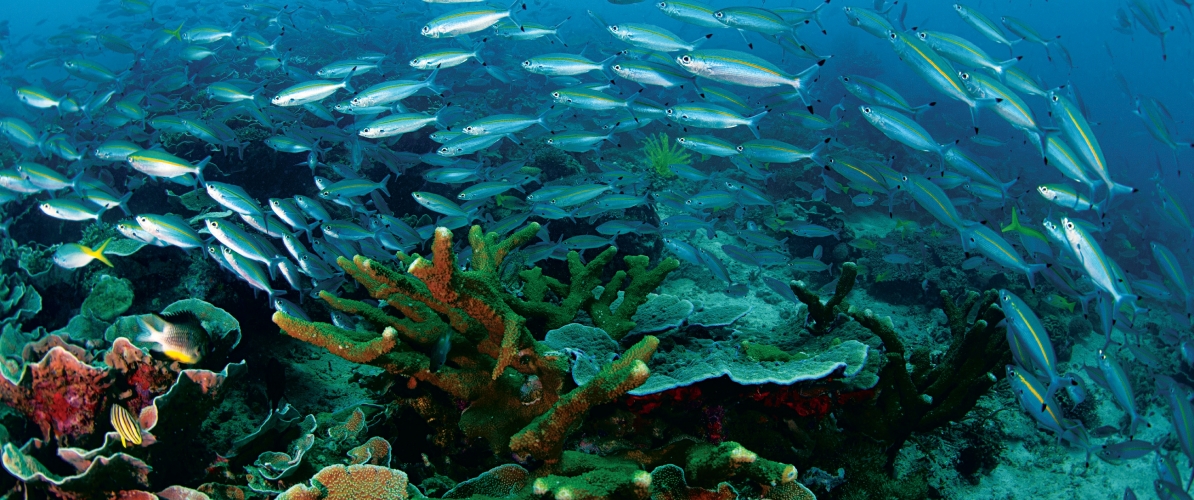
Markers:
<point>577,250</point>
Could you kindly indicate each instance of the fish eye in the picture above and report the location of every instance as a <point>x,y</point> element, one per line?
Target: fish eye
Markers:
<point>905,178</point>
<point>617,67</point>
<point>866,109</point>
<point>686,59</point>
<point>614,28</point>
<point>681,140</point>
<point>1054,98</point>
<point>719,14</point>
<point>426,29</point>
<point>740,149</point>
<point>964,75</point>
<point>892,35</point>
<point>555,94</point>
<point>922,36</point>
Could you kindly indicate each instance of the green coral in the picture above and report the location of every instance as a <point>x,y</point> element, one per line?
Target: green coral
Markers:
<point>660,154</point>
<point>519,393</point>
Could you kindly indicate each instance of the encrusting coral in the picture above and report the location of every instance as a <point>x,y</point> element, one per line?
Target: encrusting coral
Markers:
<point>516,387</point>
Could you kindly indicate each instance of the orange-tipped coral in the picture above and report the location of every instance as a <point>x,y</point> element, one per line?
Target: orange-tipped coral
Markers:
<point>493,362</point>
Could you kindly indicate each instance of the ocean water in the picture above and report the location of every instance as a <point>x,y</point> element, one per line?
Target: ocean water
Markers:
<point>258,250</point>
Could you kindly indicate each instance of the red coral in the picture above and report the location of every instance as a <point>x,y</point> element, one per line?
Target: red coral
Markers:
<point>60,393</point>
<point>146,377</point>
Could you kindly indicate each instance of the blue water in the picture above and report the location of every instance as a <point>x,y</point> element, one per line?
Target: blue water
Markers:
<point>732,254</point>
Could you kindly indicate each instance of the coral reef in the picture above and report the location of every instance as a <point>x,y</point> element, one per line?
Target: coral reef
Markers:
<point>171,404</point>
<point>824,315</point>
<point>931,395</point>
<point>518,394</point>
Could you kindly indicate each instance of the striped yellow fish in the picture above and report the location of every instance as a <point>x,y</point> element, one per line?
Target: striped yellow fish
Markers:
<point>126,425</point>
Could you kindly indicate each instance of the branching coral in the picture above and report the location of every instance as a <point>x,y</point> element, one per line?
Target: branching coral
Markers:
<point>514,385</point>
<point>824,314</point>
<point>929,396</point>
<point>660,154</point>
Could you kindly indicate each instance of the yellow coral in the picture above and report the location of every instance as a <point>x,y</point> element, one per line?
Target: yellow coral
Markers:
<point>660,154</point>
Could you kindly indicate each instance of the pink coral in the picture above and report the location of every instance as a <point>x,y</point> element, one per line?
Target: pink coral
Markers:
<point>60,393</point>
<point>353,482</point>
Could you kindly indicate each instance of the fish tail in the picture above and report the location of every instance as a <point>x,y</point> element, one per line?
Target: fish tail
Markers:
<point>1032,270</point>
<point>817,17</point>
<point>177,32</point>
<point>1015,224</point>
<point>382,185</point>
<point>753,123</point>
<point>817,155</point>
<point>98,253</point>
<point>1003,66</point>
<point>918,111</point>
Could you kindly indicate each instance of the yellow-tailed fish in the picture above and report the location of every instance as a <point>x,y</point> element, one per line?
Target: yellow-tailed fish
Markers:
<point>178,335</point>
<point>74,255</point>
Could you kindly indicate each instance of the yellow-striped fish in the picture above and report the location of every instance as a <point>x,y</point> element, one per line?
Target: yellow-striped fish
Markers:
<point>126,425</point>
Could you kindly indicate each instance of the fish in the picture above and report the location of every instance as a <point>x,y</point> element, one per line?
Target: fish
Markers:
<point>126,426</point>
<point>71,209</point>
<point>898,127</point>
<point>1120,387</point>
<point>714,117</point>
<point>708,145</point>
<point>695,13</point>
<point>964,52</point>
<point>773,151</point>
<point>310,91</point>
<point>75,255</point>
<point>180,335</point>
<point>740,68</point>
<point>469,20</point>
<point>652,37</point>
<point>984,25</point>
<point>156,163</point>
<point>992,245</point>
<point>936,71</point>
<point>877,93</point>
<point>1059,302</point>
<point>1096,264</point>
<point>1077,130</point>
<point>1171,268</point>
<point>560,64</point>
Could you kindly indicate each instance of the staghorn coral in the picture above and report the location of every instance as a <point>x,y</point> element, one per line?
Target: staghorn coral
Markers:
<point>514,385</point>
<point>660,154</point>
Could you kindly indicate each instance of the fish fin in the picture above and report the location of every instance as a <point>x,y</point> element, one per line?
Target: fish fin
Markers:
<point>382,185</point>
<point>98,253</point>
<point>753,123</point>
<point>1015,225</point>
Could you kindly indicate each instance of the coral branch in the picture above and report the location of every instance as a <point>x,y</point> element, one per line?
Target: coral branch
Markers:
<point>510,381</point>
<point>544,437</point>
<point>824,314</point>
